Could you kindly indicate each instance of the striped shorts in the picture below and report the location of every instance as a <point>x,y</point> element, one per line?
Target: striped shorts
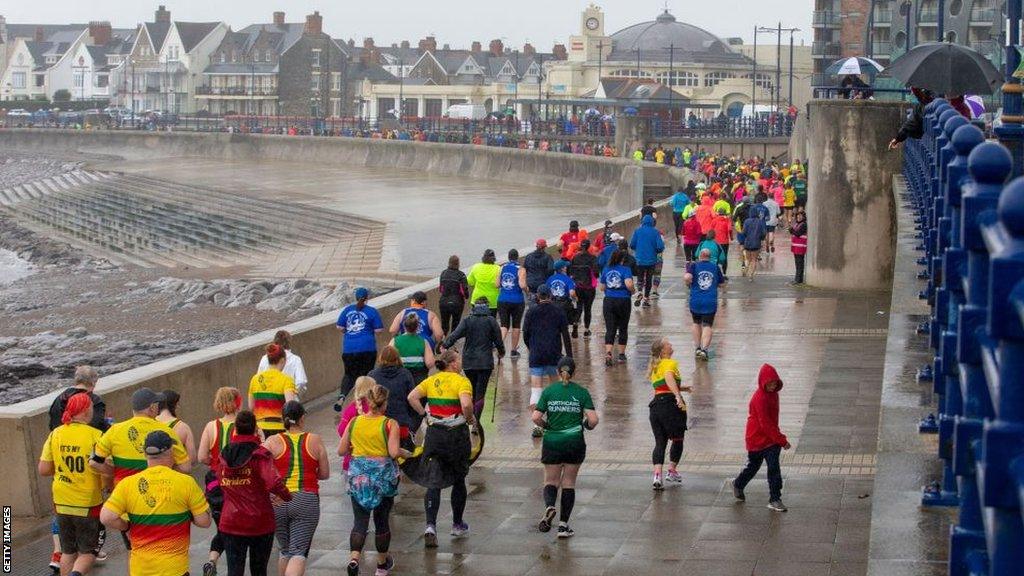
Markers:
<point>296,522</point>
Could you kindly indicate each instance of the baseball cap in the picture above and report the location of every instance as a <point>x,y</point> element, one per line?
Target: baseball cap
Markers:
<point>419,297</point>
<point>615,237</point>
<point>543,290</point>
<point>144,398</point>
<point>607,223</point>
<point>158,442</point>
<point>362,293</point>
<point>542,243</point>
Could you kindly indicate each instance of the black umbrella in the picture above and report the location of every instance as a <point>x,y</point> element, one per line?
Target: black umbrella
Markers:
<point>950,69</point>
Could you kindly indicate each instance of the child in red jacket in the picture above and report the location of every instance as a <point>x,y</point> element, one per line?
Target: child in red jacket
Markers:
<point>765,442</point>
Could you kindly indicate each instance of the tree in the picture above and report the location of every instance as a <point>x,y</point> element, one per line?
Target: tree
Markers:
<point>62,95</point>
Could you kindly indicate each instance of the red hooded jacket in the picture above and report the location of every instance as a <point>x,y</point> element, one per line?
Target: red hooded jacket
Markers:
<point>247,478</point>
<point>763,419</point>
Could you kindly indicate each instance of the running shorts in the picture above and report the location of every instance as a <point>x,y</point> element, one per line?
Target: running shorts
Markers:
<point>510,314</point>
<point>668,416</point>
<point>571,454</point>
<point>703,319</point>
<point>771,228</point>
<point>78,534</point>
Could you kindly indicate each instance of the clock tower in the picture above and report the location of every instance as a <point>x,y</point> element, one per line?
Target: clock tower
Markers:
<point>585,46</point>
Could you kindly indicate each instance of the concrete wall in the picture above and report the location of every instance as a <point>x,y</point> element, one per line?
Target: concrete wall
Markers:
<point>850,204</point>
<point>798,140</point>
<point>197,375</point>
<point>617,180</point>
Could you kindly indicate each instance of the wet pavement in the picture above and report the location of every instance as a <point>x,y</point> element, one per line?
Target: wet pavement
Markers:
<point>829,348</point>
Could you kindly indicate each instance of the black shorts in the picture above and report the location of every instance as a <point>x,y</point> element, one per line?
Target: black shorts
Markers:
<point>703,319</point>
<point>667,416</point>
<point>573,454</point>
<point>78,534</point>
<point>771,228</point>
<point>510,314</point>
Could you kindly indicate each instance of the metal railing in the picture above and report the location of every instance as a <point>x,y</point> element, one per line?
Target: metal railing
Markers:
<point>234,91</point>
<point>771,126</point>
<point>928,17</point>
<point>826,19</point>
<point>829,49</point>
<point>984,15</point>
<point>972,240</point>
<point>882,17</point>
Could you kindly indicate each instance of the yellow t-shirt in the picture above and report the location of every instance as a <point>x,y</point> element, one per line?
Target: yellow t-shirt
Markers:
<point>124,443</point>
<point>76,486</point>
<point>369,436</point>
<point>442,391</point>
<point>659,157</point>
<point>160,504</point>
<point>665,366</point>
<point>267,390</point>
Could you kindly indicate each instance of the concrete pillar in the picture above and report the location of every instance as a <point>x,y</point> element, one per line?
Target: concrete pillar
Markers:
<point>630,132</point>
<point>850,205</point>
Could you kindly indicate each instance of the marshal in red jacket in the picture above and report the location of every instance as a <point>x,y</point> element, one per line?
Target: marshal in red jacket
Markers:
<point>763,419</point>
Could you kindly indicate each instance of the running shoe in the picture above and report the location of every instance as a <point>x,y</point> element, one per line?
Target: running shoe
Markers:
<point>637,303</point>
<point>385,568</point>
<point>777,506</point>
<point>564,531</point>
<point>101,556</point>
<point>575,331</point>
<point>430,537</point>
<point>737,492</point>
<point>545,522</point>
<point>673,476</point>
<point>586,333</point>
<point>657,484</point>
<point>514,355</point>
<point>210,569</point>
<point>647,303</point>
<point>622,358</point>
<point>608,360</point>
<point>538,432</point>
<point>55,561</point>
<point>460,530</point>
<point>702,354</point>
<point>353,567</point>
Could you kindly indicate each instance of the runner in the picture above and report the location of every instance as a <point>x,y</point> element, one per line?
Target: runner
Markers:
<point>546,333</point>
<point>667,412</point>
<point>511,301</point>
<point>429,325</point>
<point>217,434</point>
<point>416,351</point>
<point>449,397</point>
<point>372,441</point>
<point>617,285</point>
<point>483,277</point>
<point>77,488</point>
<point>679,202</point>
<point>269,390</point>
<point>721,225</point>
<point>646,243</point>
<point>454,291</point>
<point>563,293</point>
<point>753,238</point>
<point>692,236</point>
<point>703,278</point>
<point>563,411</point>
<point>160,504</point>
<point>398,381</point>
<point>301,460</point>
<point>584,271</point>
<point>606,254</point>
<point>293,364</point>
<point>573,236</point>
<point>483,337</point>
<point>359,323</point>
<point>359,405</point>
<point>772,222</point>
<point>169,415</point>
<point>537,268</point>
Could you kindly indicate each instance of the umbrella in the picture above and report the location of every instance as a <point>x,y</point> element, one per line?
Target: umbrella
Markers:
<point>949,69</point>
<point>630,111</point>
<point>856,65</point>
<point>976,104</point>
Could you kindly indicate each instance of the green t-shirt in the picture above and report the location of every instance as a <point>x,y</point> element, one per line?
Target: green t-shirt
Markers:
<point>410,348</point>
<point>484,280</point>
<point>564,405</point>
<point>800,187</point>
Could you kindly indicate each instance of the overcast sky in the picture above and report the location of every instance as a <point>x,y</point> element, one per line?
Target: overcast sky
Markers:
<point>455,22</point>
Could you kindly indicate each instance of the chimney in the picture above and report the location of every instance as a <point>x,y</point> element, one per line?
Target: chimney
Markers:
<point>476,46</point>
<point>405,44</point>
<point>162,14</point>
<point>528,49</point>
<point>40,35</point>
<point>428,44</point>
<point>447,47</point>
<point>368,43</point>
<point>279,18</point>
<point>100,33</point>
<point>497,47</point>
<point>560,52</point>
<point>314,24</point>
<point>351,43</point>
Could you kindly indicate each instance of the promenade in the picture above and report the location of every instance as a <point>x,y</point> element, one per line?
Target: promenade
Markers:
<point>829,348</point>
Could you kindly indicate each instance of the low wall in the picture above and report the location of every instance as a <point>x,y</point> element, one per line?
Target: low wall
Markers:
<point>196,376</point>
<point>615,179</point>
<point>850,206</point>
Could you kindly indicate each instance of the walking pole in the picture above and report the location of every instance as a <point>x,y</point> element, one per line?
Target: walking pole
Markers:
<point>494,401</point>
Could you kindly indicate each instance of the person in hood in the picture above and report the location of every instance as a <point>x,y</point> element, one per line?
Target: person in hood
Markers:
<point>546,334</point>
<point>248,478</point>
<point>692,236</point>
<point>646,244</point>
<point>754,233</point>
<point>765,442</point>
<point>483,337</point>
<point>537,267</point>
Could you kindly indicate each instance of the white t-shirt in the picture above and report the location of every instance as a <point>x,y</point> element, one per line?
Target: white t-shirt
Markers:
<point>773,212</point>
<point>292,367</point>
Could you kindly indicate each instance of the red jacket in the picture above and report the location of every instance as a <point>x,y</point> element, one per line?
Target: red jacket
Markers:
<point>247,478</point>
<point>691,231</point>
<point>722,226</point>
<point>763,419</point>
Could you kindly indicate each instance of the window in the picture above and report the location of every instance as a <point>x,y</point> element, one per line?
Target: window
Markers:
<point>315,56</point>
<point>714,78</point>
<point>763,80</point>
<point>78,78</point>
<point>40,80</point>
<point>18,80</point>
<point>102,81</point>
<point>267,56</point>
<point>336,81</point>
<point>314,83</point>
<point>223,57</point>
<point>629,73</point>
<point>678,78</point>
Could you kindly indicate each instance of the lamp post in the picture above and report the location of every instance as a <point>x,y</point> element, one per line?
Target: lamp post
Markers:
<point>671,77</point>
<point>1011,133</point>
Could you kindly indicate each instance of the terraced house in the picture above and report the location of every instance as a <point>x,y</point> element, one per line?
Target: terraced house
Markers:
<point>278,68</point>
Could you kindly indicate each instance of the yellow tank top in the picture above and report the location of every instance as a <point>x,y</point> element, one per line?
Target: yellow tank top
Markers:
<point>369,436</point>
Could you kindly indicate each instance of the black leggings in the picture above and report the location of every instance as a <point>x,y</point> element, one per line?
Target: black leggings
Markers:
<point>479,380</point>
<point>381,525</point>
<point>661,441</point>
<point>725,257</point>
<point>690,250</point>
<point>616,320</point>
<point>356,364</point>
<point>256,548</point>
<point>450,315</point>
<point>432,502</point>
<point>586,306</point>
<point>645,276</point>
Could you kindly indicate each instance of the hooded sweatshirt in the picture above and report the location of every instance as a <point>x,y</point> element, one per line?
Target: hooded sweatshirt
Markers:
<point>646,242</point>
<point>247,478</point>
<point>483,336</point>
<point>763,418</point>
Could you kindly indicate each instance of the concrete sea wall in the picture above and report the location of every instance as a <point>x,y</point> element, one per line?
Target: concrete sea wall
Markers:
<point>615,179</point>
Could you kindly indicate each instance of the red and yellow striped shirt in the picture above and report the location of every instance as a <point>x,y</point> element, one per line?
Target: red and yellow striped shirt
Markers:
<point>442,391</point>
<point>297,465</point>
<point>267,390</point>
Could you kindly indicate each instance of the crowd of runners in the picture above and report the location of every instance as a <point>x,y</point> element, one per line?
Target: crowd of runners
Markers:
<point>412,407</point>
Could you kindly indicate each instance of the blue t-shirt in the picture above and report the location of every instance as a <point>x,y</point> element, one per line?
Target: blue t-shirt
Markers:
<point>560,285</point>
<point>679,202</point>
<point>423,330</point>
<point>509,290</point>
<point>614,280</point>
<point>704,288</point>
<point>359,327</point>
